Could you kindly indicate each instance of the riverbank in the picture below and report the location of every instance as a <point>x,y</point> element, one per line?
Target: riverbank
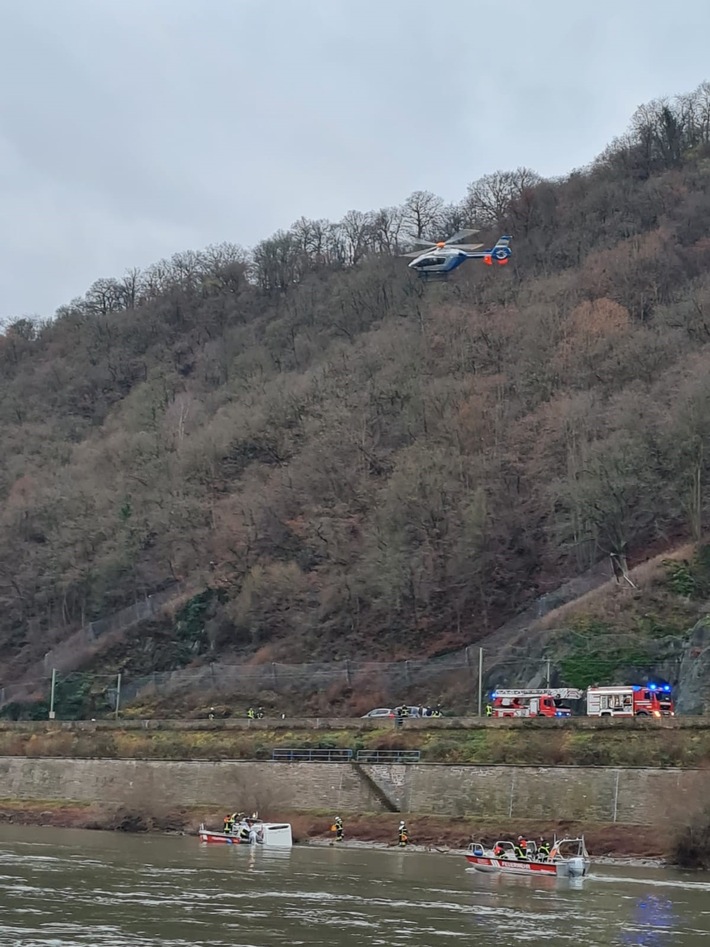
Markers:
<point>427,833</point>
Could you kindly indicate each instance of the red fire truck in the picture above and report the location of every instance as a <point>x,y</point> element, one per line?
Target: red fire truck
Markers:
<point>630,700</point>
<point>524,702</point>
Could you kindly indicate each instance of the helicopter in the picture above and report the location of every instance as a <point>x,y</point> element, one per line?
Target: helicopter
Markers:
<point>439,259</point>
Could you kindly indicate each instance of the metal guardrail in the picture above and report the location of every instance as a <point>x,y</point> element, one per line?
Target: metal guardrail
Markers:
<point>305,755</point>
<point>388,756</point>
<point>284,755</point>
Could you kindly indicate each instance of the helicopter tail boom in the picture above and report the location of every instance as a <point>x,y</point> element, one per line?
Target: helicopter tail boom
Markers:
<point>500,253</point>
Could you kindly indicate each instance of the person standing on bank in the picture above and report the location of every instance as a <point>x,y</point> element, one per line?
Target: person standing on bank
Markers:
<point>337,827</point>
<point>403,835</point>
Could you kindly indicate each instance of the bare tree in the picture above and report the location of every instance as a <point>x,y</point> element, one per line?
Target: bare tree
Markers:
<point>423,214</point>
<point>357,229</point>
<point>490,198</point>
<point>387,224</point>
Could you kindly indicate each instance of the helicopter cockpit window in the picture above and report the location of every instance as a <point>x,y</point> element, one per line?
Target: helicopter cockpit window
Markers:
<point>432,261</point>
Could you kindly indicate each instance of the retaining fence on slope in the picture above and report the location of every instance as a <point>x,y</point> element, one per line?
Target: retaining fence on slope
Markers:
<point>81,645</point>
<point>254,680</point>
<point>65,656</point>
<point>459,666</point>
<point>251,681</point>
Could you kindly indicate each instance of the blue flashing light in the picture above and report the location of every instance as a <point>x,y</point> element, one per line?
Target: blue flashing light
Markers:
<point>636,687</point>
<point>652,687</point>
<point>666,687</point>
<point>558,713</point>
<point>494,695</point>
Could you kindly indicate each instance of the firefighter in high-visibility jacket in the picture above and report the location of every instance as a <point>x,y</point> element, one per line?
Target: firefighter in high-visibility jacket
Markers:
<point>403,835</point>
<point>489,710</point>
<point>337,827</point>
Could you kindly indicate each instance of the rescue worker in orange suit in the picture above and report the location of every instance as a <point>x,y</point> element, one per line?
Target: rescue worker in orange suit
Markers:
<point>521,848</point>
<point>403,836</point>
<point>497,849</point>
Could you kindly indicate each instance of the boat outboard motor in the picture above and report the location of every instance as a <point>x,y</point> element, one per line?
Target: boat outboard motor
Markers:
<point>575,866</point>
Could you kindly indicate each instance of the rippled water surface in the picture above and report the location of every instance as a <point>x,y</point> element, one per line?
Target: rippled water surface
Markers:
<point>65,888</point>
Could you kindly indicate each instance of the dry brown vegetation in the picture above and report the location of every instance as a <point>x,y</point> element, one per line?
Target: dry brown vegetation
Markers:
<point>360,464</point>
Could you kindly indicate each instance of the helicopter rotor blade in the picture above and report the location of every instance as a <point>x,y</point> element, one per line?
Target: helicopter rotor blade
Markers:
<point>460,234</point>
<point>469,246</point>
<point>416,253</point>
<point>424,243</point>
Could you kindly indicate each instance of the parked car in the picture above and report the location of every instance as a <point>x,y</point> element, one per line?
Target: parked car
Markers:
<point>389,712</point>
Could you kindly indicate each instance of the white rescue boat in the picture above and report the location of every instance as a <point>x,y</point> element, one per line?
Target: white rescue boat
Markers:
<point>270,834</point>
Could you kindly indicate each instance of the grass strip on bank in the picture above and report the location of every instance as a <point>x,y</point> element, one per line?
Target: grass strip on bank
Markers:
<point>648,747</point>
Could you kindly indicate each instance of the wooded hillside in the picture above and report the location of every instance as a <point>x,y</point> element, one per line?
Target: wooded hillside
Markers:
<point>364,464</point>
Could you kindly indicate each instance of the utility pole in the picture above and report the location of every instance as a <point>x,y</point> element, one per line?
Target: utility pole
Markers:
<point>51,696</point>
<point>548,673</point>
<point>118,693</point>
<point>480,682</point>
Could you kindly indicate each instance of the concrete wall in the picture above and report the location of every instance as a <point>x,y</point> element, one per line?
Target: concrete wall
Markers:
<point>627,796</point>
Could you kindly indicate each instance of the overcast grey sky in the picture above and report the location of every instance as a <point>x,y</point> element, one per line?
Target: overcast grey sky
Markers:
<point>132,129</point>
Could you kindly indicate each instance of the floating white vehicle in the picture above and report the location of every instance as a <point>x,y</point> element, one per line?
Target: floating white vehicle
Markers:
<point>270,834</point>
<point>568,858</point>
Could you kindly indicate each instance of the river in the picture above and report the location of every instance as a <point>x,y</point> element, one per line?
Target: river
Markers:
<point>65,888</point>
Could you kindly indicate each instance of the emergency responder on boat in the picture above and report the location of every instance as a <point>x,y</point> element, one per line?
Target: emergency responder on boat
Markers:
<point>521,848</point>
<point>337,827</point>
<point>543,849</point>
<point>228,824</point>
<point>403,835</point>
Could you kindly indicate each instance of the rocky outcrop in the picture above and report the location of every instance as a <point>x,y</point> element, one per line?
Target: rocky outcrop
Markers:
<point>692,691</point>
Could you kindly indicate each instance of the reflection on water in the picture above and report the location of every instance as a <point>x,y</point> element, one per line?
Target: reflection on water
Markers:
<point>75,889</point>
<point>654,922</point>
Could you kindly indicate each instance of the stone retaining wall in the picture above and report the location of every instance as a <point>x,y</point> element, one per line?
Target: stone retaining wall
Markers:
<point>593,794</point>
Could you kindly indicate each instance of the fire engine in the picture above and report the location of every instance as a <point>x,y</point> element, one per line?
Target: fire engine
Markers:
<point>630,700</point>
<point>545,702</point>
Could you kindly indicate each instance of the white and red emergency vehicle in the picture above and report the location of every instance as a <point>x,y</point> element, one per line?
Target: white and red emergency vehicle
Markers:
<point>630,700</point>
<point>524,702</point>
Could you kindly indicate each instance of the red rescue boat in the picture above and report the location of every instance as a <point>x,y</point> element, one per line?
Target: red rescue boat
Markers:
<point>568,858</point>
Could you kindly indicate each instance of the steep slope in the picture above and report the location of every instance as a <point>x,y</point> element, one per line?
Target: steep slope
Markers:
<point>363,465</point>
